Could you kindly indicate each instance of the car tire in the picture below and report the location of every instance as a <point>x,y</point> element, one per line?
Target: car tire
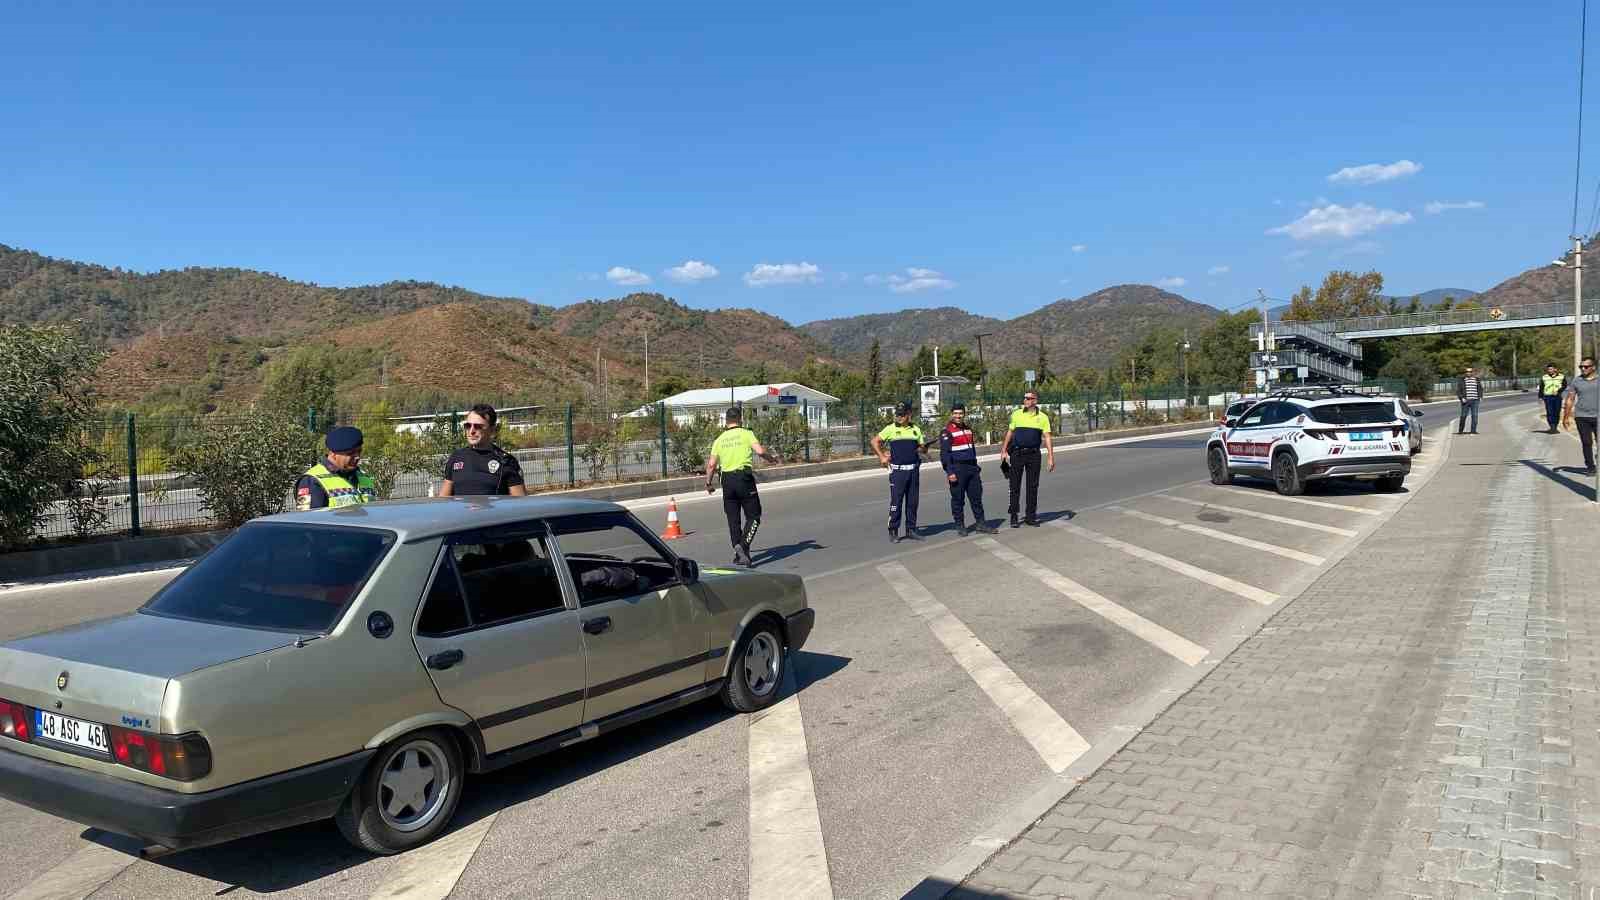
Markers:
<point>755,675</point>
<point>1390,484</point>
<point>382,815</point>
<point>1217,464</point>
<point>1286,476</point>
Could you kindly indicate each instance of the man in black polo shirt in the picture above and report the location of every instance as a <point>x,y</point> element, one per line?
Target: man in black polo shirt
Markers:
<point>481,467</point>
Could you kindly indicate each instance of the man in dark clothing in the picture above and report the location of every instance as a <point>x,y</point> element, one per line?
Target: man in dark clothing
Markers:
<point>959,456</point>
<point>900,449</point>
<point>481,467</point>
<point>1468,390</point>
<point>1551,388</point>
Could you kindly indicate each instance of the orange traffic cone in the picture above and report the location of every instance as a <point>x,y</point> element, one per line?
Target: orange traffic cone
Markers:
<point>673,531</point>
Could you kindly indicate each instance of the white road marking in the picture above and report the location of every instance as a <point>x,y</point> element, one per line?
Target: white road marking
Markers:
<point>1341,507</point>
<point>87,870</point>
<point>431,871</point>
<point>1309,559</point>
<point>1184,650</point>
<point>1263,597</point>
<point>1281,520</point>
<point>787,856</point>
<point>1057,743</point>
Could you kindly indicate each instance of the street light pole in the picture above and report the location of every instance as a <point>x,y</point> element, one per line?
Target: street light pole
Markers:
<point>1577,302</point>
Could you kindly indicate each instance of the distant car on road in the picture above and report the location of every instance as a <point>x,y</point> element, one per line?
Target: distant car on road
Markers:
<point>357,663</point>
<point>1297,437</point>
<point>1413,419</point>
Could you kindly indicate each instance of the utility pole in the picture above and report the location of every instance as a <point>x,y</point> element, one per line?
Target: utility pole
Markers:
<point>983,369</point>
<point>1577,302</point>
<point>647,362</point>
<point>1185,347</point>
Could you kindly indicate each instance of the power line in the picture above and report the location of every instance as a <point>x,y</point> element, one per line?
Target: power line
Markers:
<point>1577,176</point>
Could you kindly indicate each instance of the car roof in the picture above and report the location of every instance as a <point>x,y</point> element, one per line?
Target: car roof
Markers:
<point>425,517</point>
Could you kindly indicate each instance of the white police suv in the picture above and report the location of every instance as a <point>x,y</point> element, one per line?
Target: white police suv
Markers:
<point>1296,437</point>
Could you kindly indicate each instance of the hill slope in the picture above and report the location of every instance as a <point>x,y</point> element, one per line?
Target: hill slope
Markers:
<point>900,333</point>
<point>1089,331</point>
<point>1541,284</point>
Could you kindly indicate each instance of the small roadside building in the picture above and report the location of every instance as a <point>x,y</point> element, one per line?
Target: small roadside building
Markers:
<point>756,399</point>
<point>509,418</point>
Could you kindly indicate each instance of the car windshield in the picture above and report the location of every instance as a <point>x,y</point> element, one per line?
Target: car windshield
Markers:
<point>1360,413</point>
<point>281,577</point>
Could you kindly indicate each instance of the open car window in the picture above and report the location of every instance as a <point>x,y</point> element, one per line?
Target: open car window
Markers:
<point>610,557</point>
<point>284,577</point>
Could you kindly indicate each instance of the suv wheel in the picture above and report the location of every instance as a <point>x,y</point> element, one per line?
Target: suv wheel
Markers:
<point>1286,476</point>
<point>407,796</point>
<point>756,672</point>
<point>1390,484</point>
<point>1217,463</point>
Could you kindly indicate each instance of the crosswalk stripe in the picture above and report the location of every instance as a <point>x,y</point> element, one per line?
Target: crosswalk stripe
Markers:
<point>88,869</point>
<point>787,856</point>
<point>1281,520</point>
<point>1341,507</point>
<point>1249,592</point>
<point>430,872</point>
<point>1309,559</point>
<point>1056,742</point>
<point>1184,650</point>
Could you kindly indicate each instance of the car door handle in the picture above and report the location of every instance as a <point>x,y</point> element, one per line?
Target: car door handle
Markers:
<point>597,625</point>
<point>445,659</point>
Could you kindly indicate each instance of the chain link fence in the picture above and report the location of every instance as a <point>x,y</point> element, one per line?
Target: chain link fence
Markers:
<point>140,485</point>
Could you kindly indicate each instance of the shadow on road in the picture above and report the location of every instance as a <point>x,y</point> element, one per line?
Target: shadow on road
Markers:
<point>936,888</point>
<point>1581,488</point>
<point>287,859</point>
<point>784,551</point>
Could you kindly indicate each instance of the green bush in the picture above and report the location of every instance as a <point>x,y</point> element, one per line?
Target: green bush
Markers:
<point>405,453</point>
<point>783,434</point>
<point>246,467</point>
<point>45,409</point>
<point>690,443</point>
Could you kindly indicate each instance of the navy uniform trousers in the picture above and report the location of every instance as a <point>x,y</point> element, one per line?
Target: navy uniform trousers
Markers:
<point>968,486</point>
<point>905,486</point>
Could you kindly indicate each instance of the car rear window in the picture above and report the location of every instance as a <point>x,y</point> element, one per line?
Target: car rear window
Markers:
<point>1362,413</point>
<point>283,577</point>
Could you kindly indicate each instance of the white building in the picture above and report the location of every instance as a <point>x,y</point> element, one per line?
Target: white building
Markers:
<point>510,418</point>
<point>757,399</point>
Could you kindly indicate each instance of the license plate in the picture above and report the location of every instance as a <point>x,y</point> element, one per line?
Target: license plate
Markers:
<point>77,733</point>
<point>1365,436</point>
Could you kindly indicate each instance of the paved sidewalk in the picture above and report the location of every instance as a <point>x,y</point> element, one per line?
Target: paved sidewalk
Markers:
<point>1421,722</point>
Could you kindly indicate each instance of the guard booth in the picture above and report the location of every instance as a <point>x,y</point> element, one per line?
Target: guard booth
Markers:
<point>937,391</point>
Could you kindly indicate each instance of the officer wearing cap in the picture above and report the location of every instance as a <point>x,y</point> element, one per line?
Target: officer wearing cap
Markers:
<point>482,467</point>
<point>1028,433</point>
<point>734,452</point>
<point>336,480</point>
<point>959,457</point>
<point>903,459</point>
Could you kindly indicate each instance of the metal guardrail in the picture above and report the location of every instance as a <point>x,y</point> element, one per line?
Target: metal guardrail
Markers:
<point>1314,363</point>
<point>1312,332</point>
<point>1526,315</point>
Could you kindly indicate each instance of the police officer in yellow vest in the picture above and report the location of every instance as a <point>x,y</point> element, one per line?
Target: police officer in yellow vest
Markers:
<point>900,448</point>
<point>1551,388</point>
<point>1029,432</point>
<point>336,480</point>
<point>734,452</point>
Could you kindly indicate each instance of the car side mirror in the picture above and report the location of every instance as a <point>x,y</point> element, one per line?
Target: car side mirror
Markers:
<point>1227,423</point>
<point>689,571</point>
<point>1418,411</point>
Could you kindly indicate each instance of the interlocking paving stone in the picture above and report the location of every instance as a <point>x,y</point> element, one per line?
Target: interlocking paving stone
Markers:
<point>1423,721</point>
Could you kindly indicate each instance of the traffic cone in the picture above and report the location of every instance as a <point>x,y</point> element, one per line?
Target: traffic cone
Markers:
<point>673,531</point>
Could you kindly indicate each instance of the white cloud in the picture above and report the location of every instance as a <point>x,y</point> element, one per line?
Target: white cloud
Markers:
<point>1173,282</point>
<point>1335,221</point>
<point>1079,248</point>
<point>1375,172</point>
<point>691,271</point>
<point>767,274</point>
<point>1436,207</point>
<point>914,280</point>
<point>1219,270</point>
<point>625,276</point>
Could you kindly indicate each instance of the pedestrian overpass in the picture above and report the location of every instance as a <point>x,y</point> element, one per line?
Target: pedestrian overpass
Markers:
<point>1328,352</point>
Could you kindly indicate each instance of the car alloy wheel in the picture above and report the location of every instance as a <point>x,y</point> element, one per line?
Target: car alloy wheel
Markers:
<point>414,786</point>
<point>1218,464</point>
<point>1285,477</point>
<point>761,664</point>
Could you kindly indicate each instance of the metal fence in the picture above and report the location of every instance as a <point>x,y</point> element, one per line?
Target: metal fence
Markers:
<point>140,486</point>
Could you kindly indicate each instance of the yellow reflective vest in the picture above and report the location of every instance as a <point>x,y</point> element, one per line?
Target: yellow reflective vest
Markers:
<point>340,491</point>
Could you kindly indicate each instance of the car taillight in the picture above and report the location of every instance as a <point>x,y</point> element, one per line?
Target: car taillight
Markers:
<point>16,721</point>
<point>184,757</point>
<point>1396,429</point>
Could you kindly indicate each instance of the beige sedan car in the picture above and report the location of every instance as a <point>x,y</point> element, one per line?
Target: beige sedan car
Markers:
<point>358,663</point>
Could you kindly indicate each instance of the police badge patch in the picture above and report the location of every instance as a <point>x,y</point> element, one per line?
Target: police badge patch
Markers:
<point>494,466</point>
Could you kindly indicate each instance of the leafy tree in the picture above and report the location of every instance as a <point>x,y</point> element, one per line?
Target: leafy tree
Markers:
<point>1342,294</point>
<point>875,371</point>
<point>389,454</point>
<point>1041,369</point>
<point>1414,368</point>
<point>45,404</point>
<point>305,379</point>
<point>246,467</point>
<point>783,434</point>
<point>667,385</point>
<point>690,443</point>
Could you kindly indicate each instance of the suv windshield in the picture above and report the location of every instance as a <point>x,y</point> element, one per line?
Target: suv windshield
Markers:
<point>282,577</point>
<point>1358,413</point>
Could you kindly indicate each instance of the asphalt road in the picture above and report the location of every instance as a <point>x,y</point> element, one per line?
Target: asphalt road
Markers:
<point>947,683</point>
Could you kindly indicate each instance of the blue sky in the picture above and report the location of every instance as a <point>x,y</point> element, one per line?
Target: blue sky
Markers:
<point>822,159</point>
